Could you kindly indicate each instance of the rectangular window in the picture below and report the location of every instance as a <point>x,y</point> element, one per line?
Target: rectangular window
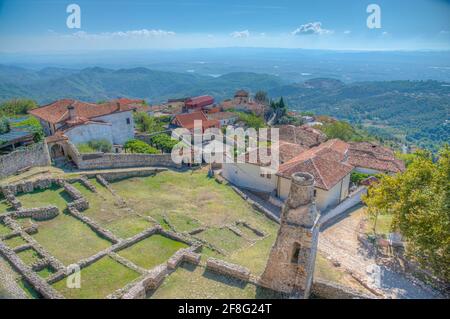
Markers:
<point>128,121</point>
<point>295,253</point>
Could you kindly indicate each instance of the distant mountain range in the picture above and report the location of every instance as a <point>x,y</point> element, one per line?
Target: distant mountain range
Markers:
<point>414,111</point>
<point>94,84</point>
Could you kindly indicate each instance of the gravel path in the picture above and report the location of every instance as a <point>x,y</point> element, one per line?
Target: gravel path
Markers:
<point>340,243</point>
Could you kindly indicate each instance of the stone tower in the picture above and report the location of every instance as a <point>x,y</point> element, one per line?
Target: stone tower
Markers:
<point>290,266</point>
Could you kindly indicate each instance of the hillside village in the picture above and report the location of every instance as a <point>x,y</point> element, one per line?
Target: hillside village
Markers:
<point>103,156</point>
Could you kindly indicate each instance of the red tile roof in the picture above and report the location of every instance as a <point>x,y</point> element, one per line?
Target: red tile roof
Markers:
<point>286,150</point>
<point>324,162</point>
<point>373,156</point>
<point>303,135</point>
<point>199,101</point>
<point>58,112</point>
<point>186,120</point>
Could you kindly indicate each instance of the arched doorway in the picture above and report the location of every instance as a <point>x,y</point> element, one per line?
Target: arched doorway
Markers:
<point>57,151</point>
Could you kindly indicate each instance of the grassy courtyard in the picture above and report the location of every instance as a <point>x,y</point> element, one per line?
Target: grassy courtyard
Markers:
<point>68,239</point>
<point>187,201</point>
<point>151,251</point>
<point>191,200</point>
<point>40,198</point>
<point>98,280</point>
<point>105,209</point>
<point>191,282</point>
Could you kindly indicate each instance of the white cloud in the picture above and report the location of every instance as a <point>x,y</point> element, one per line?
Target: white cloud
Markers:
<point>347,32</point>
<point>444,32</point>
<point>240,34</point>
<point>385,33</point>
<point>311,28</point>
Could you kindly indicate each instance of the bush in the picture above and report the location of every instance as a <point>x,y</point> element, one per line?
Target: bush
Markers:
<point>147,123</point>
<point>17,107</point>
<point>95,146</point>
<point>163,142</point>
<point>137,146</point>
<point>251,120</point>
<point>4,125</point>
<point>33,125</point>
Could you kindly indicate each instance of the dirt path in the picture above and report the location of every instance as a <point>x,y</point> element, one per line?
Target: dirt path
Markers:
<point>339,242</point>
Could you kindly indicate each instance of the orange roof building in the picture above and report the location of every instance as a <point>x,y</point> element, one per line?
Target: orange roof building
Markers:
<point>187,121</point>
<point>110,120</point>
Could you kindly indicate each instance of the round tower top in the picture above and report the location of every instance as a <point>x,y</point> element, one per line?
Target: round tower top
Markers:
<point>303,179</point>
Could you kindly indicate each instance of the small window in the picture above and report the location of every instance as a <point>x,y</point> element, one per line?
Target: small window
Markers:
<point>262,175</point>
<point>295,253</point>
<point>128,121</point>
<point>315,193</point>
<point>268,176</point>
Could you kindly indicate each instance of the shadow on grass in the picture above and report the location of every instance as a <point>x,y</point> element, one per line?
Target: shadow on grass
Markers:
<point>226,280</point>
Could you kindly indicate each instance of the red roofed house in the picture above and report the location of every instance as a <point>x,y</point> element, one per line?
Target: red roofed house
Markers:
<point>198,103</point>
<point>251,175</point>
<point>81,122</point>
<point>331,163</point>
<point>327,163</point>
<point>187,120</point>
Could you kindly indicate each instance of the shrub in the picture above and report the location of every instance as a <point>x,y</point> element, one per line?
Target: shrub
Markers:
<point>17,107</point>
<point>137,146</point>
<point>95,146</point>
<point>163,142</point>
<point>33,125</point>
<point>4,125</point>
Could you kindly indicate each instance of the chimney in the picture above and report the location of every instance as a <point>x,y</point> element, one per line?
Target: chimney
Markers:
<point>118,106</point>
<point>72,113</point>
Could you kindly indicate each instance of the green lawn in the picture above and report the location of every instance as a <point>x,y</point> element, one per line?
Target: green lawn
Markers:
<point>68,239</point>
<point>46,272</point>
<point>29,256</point>
<point>3,206</point>
<point>105,210</point>
<point>188,199</point>
<point>15,241</point>
<point>4,230</point>
<point>190,282</point>
<point>151,251</point>
<point>99,280</point>
<point>30,292</point>
<point>224,239</point>
<point>39,198</point>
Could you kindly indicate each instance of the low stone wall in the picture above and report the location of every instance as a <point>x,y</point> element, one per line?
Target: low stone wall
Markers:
<point>110,160</point>
<point>30,276</point>
<point>72,191</point>
<point>328,290</point>
<point>228,269</point>
<point>119,175</point>
<point>93,225</point>
<point>32,156</point>
<point>42,213</point>
<point>150,281</point>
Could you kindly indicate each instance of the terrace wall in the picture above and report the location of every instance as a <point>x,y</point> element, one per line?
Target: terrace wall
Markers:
<point>32,156</point>
<point>111,160</point>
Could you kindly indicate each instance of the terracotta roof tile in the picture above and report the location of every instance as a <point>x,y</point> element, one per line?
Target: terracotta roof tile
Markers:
<point>58,112</point>
<point>303,135</point>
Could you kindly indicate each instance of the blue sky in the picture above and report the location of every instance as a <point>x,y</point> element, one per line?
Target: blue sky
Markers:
<point>40,25</point>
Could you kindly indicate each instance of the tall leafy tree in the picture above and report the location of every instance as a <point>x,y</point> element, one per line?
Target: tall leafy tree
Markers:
<point>419,200</point>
